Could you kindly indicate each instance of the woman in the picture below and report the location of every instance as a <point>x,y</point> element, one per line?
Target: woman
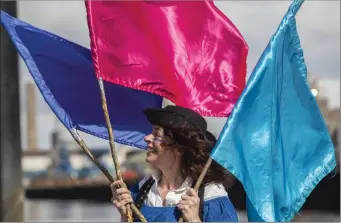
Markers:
<point>178,149</point>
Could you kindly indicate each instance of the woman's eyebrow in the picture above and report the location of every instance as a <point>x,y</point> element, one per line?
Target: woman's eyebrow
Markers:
<point>158,129</point>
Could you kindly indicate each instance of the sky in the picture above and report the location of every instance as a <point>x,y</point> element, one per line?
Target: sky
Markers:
<point>318,24</point>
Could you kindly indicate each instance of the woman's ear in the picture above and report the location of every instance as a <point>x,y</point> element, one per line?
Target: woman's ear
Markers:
<point>178,152</point>
<point>168,138</point>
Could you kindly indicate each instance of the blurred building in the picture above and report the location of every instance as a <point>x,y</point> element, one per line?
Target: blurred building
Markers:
<point>331,116</point>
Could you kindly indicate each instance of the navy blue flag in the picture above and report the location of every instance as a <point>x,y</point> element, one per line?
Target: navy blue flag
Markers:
<point>64,74</point>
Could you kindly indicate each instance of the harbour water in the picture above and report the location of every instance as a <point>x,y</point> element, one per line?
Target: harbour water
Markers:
<point>84,211</point>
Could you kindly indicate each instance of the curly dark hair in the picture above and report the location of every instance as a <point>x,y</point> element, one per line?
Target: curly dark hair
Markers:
<point>196,147</point>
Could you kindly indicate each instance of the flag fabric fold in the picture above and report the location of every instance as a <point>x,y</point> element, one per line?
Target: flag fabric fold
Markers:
<point>186,51</point>
<point>64,74</point>
<point>276,141</point>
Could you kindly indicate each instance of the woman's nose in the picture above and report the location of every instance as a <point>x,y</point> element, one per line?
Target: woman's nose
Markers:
<point>148,138</point>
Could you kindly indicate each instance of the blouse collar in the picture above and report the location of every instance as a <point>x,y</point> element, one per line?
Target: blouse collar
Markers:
<point>184,186</point>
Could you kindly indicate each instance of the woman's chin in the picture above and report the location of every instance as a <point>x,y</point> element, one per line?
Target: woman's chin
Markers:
<point>150,159</point>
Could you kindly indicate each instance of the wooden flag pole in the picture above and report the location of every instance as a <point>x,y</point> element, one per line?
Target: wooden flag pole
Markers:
<point>82,144</point>
<point>85,148</point>
<point>112,145</point>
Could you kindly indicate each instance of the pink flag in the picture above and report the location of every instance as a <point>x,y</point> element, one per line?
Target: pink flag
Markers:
<point>188,52</point>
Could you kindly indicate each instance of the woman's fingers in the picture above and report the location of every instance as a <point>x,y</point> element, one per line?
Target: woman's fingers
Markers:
<point>192,192</point>
<point>120,191</point>
<point>189,205</point>
<point>190,198</point>
<point>125,199</point>
<point>124,196</point>
<point>128,200</point>
<point>183,208</point>
<point>121,197</point>
<point>185,197</point>
<point>121,208</point>
<point>184,202</point>
<point>117,183</point>
<point>124,202</point>
<point>114,186</point>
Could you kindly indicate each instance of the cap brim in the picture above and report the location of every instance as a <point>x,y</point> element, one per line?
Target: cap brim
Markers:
<point>175,117</point>
<point>161,116</point>
<point>153,114</point>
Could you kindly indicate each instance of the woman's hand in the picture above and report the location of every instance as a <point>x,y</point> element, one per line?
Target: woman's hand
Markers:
<point>120,198</point>
<point>189,205</point>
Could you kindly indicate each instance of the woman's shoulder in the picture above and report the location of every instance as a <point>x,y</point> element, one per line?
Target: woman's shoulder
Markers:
<point>218,207</point>
<point>214,190</point>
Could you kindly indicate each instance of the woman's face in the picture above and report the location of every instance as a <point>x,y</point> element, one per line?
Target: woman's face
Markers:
<point>158,154</point>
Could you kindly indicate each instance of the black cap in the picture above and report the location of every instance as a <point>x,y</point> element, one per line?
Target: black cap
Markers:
<point>172,115</point>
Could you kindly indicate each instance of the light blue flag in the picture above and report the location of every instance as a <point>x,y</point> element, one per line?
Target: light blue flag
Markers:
<point>276,141</point>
